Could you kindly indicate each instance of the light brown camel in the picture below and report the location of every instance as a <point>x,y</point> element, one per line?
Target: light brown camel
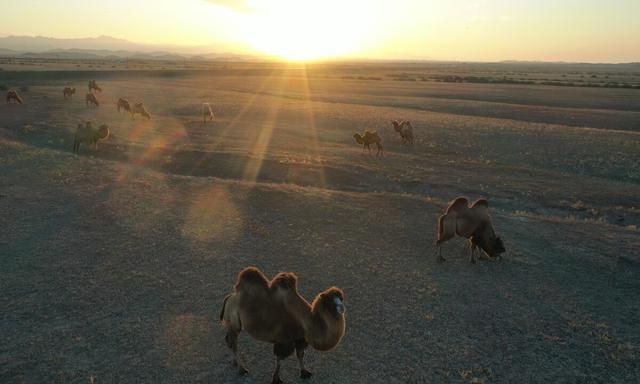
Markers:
<point>89,135</point>
<point>13,95</point>
<point>90,98</point>
<point>369,138</point>
<point>405,130</point>
<point>124,104</point>
<point>68,92</point>
<point>139,108</point>
<point>274,312</point>
<point>94,86</point>
<point>207,112</point>
<point>471,222</point>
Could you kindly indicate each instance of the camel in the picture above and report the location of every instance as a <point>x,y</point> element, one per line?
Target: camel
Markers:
<point>405,130</point>
<point>89,135</point>
<point>124,104</point>
<point>274,312</point>
<point>90,98</point>
<point>94,86</point>
<point>13,95</point>
<point>369,138</point>
<point>139,108</point>
<point>68,92</point>
<point>207,113</point>
<point>472,222</point>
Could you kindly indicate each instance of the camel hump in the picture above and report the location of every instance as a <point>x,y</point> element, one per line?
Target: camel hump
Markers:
<point>460,203</point>
<point>285,280</point>
<point>480,203</point>
<point>252,276</point>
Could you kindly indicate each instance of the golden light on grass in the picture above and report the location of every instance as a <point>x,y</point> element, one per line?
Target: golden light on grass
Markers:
<point>213,216</point>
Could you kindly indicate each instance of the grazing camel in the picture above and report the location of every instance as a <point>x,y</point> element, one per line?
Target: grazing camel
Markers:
<point>207,113</point>
<point>124,104</point>
<point>471,222</point>
<point>369,138</point>
<point>13,95</point>
<point>405,130</point>
<point>68,92</point>
<point>94,86</point>
<point>89,135</point>
<point>90,98</point>
<point>139,108</point>
<point>274,312</point>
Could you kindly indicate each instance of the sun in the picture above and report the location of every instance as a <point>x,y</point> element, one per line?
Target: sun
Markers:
<point>303,30</point>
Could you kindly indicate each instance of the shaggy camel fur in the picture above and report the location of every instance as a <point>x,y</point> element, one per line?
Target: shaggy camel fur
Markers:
<point>13,95</point>
<point>68,92</point>
<point>369,138</point>
<point>90,98</point>
<point>471,222</point>
<point>139,108</point>
<point>89,135</point>
<point>274,312</point>
<point>124,104</point>
<point>405,130</point>
<point>94,86</point>
<point>207,113</point>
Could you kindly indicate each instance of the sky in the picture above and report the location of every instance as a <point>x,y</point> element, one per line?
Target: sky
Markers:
<point>465,30</point>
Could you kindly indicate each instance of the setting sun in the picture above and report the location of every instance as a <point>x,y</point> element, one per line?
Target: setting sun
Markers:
<point>307,30</point>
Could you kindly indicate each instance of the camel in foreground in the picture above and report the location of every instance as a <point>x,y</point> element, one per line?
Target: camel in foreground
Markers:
<point>68,92</point>
<point>405,130</point>
<point>13,96</point>
<point>472,222</point>
<point>274,312</point>
<point>369,138</point>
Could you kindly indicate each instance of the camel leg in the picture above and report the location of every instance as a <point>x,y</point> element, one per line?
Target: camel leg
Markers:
<point>300,347</point>
<point>231,339</point>
<point>472,252</point>
<point>439,257</point>
<point>282,351</point>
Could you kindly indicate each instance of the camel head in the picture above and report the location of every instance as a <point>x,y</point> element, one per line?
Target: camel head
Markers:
<point>492,245</point>
<point>103,131</point>
<point>331,301</point>
<point>358,138</point>
<point>396,125</point>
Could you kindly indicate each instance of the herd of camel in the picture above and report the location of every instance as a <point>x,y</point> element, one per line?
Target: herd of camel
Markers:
<point>85,132</point>
<point>273,310</point>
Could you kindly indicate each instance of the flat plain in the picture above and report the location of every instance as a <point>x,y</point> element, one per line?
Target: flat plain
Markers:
<point>114,262</point>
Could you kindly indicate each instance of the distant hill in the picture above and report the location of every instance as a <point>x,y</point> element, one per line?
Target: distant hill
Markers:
<point>104,47</point>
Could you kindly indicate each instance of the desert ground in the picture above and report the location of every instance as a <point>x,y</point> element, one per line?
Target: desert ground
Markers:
<point>114,262</point>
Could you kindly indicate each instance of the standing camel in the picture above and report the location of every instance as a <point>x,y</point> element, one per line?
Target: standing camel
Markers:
<point>369,138</point>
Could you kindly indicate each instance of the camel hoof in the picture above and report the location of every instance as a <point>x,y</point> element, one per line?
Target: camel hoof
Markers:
<point>441,259</point>
<point>242,370</point>
<point>276,380</point>
<point>304,374</point>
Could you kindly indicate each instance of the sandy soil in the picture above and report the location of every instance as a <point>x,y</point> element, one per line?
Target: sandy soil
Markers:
<point>113,263</point>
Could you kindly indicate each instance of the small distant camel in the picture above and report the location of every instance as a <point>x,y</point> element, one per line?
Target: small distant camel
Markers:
<point>68,92</point>
<point>369,138</point>
<point>207,113</point>
<point>94,86</point>
<point>13,96</point>
<point>274,312</point>
<point>90,98</point>
<point>471,222</point>
<point>405,130</point>
<point>124,105</point>
<point>89,135</point>
<point>139,108</point>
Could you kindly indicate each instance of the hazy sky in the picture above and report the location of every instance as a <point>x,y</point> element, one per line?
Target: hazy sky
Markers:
<point>479,30</point>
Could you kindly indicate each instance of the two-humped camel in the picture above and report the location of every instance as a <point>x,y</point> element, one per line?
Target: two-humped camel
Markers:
<point>369,138</point>
<point>472,222</point>
<point>274,312</point>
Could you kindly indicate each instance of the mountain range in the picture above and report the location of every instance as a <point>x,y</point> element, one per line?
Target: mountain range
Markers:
<point>106,47</point>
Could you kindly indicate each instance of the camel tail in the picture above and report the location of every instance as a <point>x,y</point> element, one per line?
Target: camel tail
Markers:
<point>224,305</point>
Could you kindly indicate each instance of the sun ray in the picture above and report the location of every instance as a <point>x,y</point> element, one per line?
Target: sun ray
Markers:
<point>311,122</point>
